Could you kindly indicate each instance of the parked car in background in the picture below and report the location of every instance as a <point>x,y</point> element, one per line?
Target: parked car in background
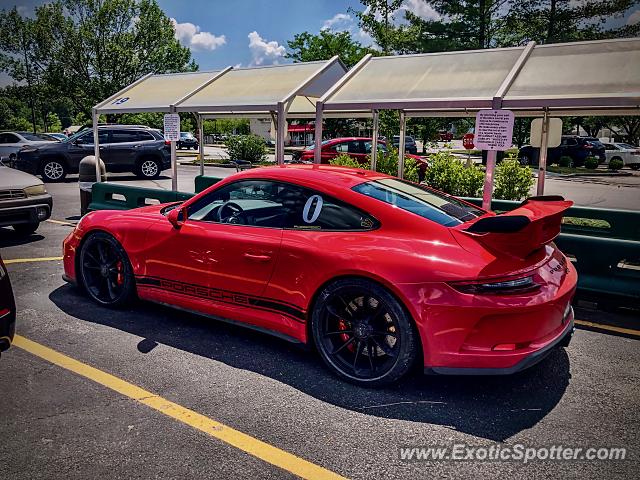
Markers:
<point>58,136</point>
<point>409,144</point>
<point>11,142</point>
<point>578,148</point>
<point>123,148</point>
<point>628,154</point>
<point>356,147</point>
<point>187,140</point>
<point>24,201</point>
<point>7,309</point>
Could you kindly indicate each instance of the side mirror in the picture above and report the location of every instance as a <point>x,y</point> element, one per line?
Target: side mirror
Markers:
<point>176,217</point>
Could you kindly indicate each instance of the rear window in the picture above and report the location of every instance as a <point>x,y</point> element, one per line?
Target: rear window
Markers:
<point>36,137</point>
<point>414,198</point>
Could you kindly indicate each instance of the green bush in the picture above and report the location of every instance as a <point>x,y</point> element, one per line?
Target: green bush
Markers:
<point>512,181</point>
<point>448,174</point>
<point>591,163</point>
<point>565,161</point>
<point>246,147</point>
<point>615,164</point>
<point>389,164</point>
<point>344,160</point>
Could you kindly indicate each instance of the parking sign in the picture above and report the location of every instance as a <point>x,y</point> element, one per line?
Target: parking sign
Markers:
<point>172,127</point>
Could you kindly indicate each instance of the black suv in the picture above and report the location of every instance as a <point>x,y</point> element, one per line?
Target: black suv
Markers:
<point>409,144</point>
<point>123,148</point>
<point>187,140</point>
<point>578,148</point>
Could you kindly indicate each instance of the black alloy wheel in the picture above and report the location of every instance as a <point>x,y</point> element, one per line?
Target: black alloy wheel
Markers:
<point>363,333</point>
<point>104,271</point>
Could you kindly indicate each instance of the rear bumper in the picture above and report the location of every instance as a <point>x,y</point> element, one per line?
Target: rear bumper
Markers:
<point>26,210</point>
<point>528,361</point>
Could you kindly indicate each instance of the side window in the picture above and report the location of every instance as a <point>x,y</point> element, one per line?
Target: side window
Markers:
<point>123,136</point>
<point>8,138</point>
<point>258,203</point>
<point>144,136</point>
<point>342,147</point>
<point>87,138</point>
<point>310,210</point>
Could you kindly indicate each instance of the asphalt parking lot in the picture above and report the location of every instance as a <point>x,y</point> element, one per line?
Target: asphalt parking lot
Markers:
<point>150,392</point>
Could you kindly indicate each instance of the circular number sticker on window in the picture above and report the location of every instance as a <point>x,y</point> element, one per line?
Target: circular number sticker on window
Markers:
<point>312,209</point>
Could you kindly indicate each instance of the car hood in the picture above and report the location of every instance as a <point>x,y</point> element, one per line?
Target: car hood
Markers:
<point>11,178</point>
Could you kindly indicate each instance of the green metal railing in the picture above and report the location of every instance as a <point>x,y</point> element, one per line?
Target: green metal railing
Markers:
<point>113,196</point>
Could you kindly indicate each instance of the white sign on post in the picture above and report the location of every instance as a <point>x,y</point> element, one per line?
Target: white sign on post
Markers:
<point>554,135</point>
<point>494,129</point>
<point>172,127</point>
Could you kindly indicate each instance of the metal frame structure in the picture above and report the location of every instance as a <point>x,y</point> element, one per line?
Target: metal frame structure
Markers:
<point>603,103</point>
<point>278,108</point>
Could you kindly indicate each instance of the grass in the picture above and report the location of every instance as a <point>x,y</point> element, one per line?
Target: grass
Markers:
<point>586,222</point>
<point>568,170</point>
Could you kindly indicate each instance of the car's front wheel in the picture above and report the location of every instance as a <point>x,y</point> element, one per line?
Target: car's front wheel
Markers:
<point>363,333</point>
<point>635,166</point>
<point>104,270</point>
<point>148,168</point>
<point>53,170</point>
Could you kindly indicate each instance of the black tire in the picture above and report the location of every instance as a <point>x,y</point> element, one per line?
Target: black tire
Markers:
<point>351,315</point>
<point>148,167</point>
<point>525,161</point>
<point>26,228</point>
<point>635,166</point>
<point>12,159</point>
<point>104,271</point>
<point>53,170</point>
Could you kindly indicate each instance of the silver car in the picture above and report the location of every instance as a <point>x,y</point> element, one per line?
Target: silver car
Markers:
<point>24,201</point>
<point>11,142</point>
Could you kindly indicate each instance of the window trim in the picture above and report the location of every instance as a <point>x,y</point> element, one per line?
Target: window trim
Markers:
<point>376,223</point>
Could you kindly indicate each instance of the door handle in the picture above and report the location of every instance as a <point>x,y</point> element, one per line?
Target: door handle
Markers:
<point>257,257</point>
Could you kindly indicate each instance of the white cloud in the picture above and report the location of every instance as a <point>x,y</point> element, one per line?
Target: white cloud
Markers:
<point>190,36</point>
<point>264,52</point>
<point>338,21</point>
<point>634,18</point>
<point>421,9</point>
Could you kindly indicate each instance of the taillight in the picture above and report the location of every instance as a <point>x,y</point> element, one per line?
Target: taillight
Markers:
<point>502,287</point>
<point>587,145</point>
<point>167,142</point>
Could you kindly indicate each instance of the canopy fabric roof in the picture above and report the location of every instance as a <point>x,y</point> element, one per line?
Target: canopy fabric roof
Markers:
<point>155,93</point>
<point>595,77</point>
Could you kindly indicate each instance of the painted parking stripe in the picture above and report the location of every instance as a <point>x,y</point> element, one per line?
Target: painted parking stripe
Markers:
<point>60,222</point>
<point>235,438</point>
<point>610,328</point>
<point>29,260</point>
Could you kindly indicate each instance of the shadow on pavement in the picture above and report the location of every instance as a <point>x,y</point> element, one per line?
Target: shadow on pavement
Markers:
<point>494,408</point>
<point>9,238</point>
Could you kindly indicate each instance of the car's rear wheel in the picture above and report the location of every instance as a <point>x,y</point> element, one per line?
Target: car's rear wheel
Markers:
<point>635,166</point>
<point>53,170</point>
<point>26,228</point>
<point>148,168</point>
<point>105,272</point>
<point>363,333</point>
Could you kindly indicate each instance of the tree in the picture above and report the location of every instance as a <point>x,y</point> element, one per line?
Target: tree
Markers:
<point>306,47</point>
<point>377,21</point>
<point>86,50</point>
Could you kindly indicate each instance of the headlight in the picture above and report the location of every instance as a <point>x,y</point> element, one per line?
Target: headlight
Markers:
<point>35,190</point>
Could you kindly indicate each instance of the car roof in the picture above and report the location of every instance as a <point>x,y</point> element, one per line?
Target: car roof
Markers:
<point>327,176</point>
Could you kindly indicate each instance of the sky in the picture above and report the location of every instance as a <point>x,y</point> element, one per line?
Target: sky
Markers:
<point>254,32</point>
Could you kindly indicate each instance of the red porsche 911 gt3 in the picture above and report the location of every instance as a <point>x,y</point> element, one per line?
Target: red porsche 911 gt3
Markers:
<point>376,272</point>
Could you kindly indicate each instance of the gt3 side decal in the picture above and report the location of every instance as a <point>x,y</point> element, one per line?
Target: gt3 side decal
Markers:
<point>222,296</point>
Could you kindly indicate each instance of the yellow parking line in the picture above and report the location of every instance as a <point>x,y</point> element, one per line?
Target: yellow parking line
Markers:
<point>28,260</point>
<point>626,331</point>
<point>60,222</point>
<point>235,438</point>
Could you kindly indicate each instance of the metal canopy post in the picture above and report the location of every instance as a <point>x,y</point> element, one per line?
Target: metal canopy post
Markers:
<point>174,160</point>
<point>317,154</point>
<point>401,142</point>
<point>542,161</point>
<point>201,144</point>
<point>281,117</point>
<point>374,141</point>
<point>96,142</point>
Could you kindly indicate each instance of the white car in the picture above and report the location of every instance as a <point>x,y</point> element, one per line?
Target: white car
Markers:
<point>11,142</point>
<point>629,154</point>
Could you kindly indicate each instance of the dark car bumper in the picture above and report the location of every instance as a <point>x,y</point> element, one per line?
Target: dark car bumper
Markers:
<point>7,310</point>
<point>25,210</point>
<point>26,163</point>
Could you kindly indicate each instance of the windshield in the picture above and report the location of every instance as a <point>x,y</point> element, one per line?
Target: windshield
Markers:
<point>423,201</point>
<point>626,145</point>
<point>36,137</point>
<point>313,145</point>
<point>186,134</point>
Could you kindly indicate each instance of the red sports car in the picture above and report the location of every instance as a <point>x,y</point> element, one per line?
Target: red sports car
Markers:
<point>376,272</point>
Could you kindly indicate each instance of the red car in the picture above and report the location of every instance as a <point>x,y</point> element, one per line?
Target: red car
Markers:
<point>7,310</point>
<point>376,272</point>
<point>356,147</point>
